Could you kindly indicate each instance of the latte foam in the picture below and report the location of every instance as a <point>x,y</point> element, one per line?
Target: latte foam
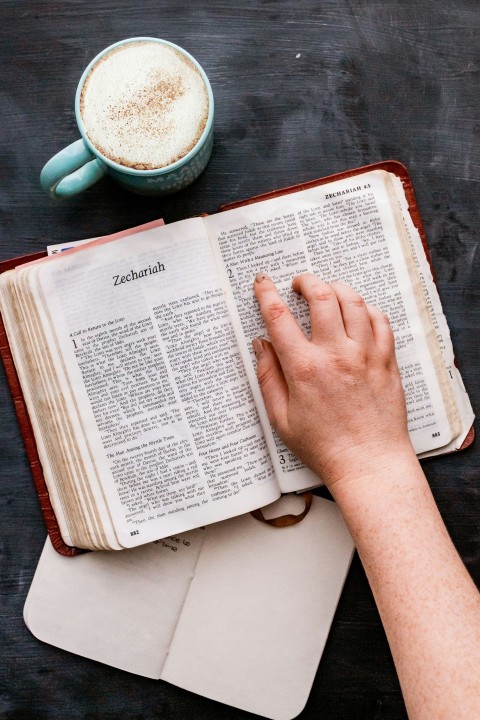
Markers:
<point>144,105</point>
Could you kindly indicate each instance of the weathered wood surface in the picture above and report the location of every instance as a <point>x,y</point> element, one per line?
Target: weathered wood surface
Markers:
<point>303,89</point>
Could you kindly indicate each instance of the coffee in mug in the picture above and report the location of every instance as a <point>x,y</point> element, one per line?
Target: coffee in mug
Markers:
<point>144,105</point>
<point>144,109</point>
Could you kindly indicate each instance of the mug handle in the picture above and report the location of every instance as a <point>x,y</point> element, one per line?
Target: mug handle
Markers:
<point>71,170</point>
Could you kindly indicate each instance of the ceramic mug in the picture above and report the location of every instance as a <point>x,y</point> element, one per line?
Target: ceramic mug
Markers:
<point>81,164</point>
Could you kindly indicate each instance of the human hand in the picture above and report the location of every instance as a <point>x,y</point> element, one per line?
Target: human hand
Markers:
<point>336,400</point>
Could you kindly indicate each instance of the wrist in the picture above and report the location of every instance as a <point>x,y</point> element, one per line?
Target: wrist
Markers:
<point>380,473</point>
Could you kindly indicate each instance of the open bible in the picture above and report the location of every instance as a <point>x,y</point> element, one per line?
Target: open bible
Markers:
<point>134,355</point>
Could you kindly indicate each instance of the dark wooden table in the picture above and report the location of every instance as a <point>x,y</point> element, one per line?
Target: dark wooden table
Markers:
<point>303,89</point>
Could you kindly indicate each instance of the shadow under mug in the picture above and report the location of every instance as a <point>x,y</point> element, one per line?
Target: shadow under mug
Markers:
<point>81,164</point>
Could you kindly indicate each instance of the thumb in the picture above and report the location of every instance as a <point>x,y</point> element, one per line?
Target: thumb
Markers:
<point>272,381</point>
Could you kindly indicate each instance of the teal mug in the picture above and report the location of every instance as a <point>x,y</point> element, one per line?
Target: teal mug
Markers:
<point>82,164</point>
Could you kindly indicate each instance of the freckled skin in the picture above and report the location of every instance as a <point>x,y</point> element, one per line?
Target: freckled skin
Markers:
<point>326,398</point>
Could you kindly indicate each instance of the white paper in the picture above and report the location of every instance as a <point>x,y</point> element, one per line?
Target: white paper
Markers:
<point>119,608</point>
<point>258,612</point>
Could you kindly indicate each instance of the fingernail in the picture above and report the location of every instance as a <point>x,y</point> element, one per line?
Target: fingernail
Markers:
<point>260,277</point>
<point>258,347</point>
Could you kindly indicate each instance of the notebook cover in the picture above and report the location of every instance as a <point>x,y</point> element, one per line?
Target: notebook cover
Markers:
<point>51,523</point>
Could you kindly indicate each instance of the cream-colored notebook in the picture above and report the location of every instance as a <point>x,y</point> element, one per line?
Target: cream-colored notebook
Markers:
<point>238,611</point>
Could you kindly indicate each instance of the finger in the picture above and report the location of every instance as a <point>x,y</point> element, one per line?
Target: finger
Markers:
<point>382,331</point>
<point>354,312</point>
<point>282,328</point>
<point>325,316</point>
<point>272,381</point>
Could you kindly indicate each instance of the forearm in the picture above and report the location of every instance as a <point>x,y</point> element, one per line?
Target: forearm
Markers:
<point>337,401</point>
<point>428,603</point>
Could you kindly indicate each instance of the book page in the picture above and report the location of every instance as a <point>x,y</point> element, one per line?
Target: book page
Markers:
<point>344,231</point>
<point>427,288</point>
<point>149,370</point>
<point>33,376</point>
<point>120,609</point>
